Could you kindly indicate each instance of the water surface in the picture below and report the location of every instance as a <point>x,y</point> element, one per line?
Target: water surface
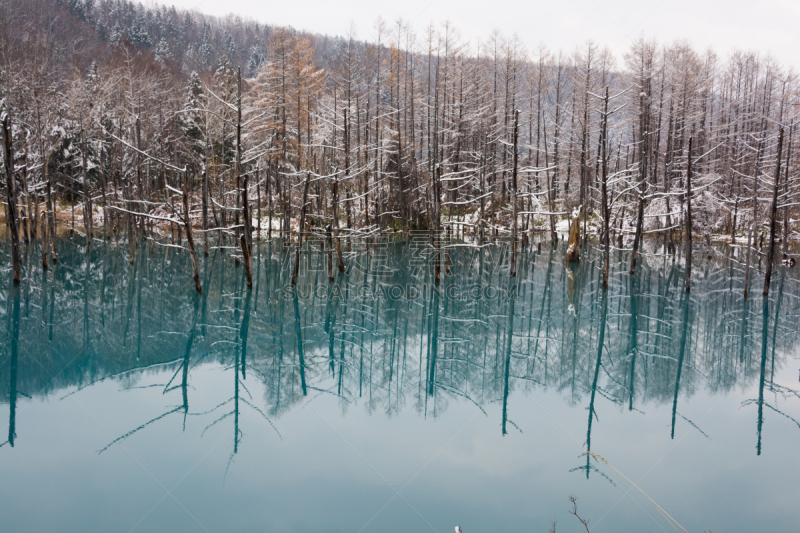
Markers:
<point>380,403</point>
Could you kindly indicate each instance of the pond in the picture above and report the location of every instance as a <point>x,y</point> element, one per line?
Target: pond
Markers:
<point>382,403</point>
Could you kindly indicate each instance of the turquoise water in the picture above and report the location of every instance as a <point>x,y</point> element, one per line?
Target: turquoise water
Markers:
<point>378,403</point>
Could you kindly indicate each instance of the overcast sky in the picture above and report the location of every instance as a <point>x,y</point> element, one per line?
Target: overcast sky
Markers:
<point>768,26</point>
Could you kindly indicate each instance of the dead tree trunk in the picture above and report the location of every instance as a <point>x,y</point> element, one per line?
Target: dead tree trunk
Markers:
<point>44,240</point>
<point>287,208</point>
<point>751,238</point>
<point>637,237</point>
<point>187,220</point>
<point>243,184</point>
<point>747,260</point>
<point>604,186</point>
<point>482,220</point>
<point>644,150</point>
<point>87,202</point>
<point>773,215</point>
<point>25,214</point>
<point>258,192</point>
<point>247,236</point>
<point>786,192</point>
<point>689,218</point>
<point>437,210</point>
<point>514,199</point>
<point>301,230</point>
<point>11,189</point>
<point>340,262</point>
<point>51,214</point>
<point>551,193</point>
<point>330,252</point>
<point>574,250</point>
<point>103,186</point>
<point>205,205</point>
<point>269,201</point>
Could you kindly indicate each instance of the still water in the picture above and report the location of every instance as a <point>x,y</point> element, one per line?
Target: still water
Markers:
<point>378,404</point>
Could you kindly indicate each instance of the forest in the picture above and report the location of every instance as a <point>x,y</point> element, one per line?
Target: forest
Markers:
<point>176,129</point>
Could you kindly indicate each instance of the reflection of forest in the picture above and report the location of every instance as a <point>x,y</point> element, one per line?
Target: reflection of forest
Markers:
<point>369,342</point>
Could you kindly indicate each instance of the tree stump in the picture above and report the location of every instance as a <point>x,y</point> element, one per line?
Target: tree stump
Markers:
<point>574,250</point>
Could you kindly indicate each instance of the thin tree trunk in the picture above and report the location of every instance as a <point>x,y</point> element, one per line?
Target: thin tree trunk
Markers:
<point>51,214</point>
<point>604,184</point>
<point>773,215</point>
<point>551,193</point>
<point>747,260</point>
<point>329,236</point>
<point>786,191</point>
<point>242,185</point>
<point>269,201</point>
<point>87,203</point>
<point>25,210</point>
<point>44,241</point>
<point>189,238</point>
<point>340,262</point>
<point>689,218</point>
<point>644,114</point>
<point>751,239</point>
<point>637,238</point>
<point>514,199</point>
<point>11,189</point>
<point>301,230</point>
<point>205,206</point>
<point>258,192</point>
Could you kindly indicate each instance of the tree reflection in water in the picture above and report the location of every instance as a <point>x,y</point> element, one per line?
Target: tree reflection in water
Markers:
<point>383,335</point>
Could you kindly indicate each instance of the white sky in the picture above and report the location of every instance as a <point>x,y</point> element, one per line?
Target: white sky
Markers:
<point>767,26</point>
